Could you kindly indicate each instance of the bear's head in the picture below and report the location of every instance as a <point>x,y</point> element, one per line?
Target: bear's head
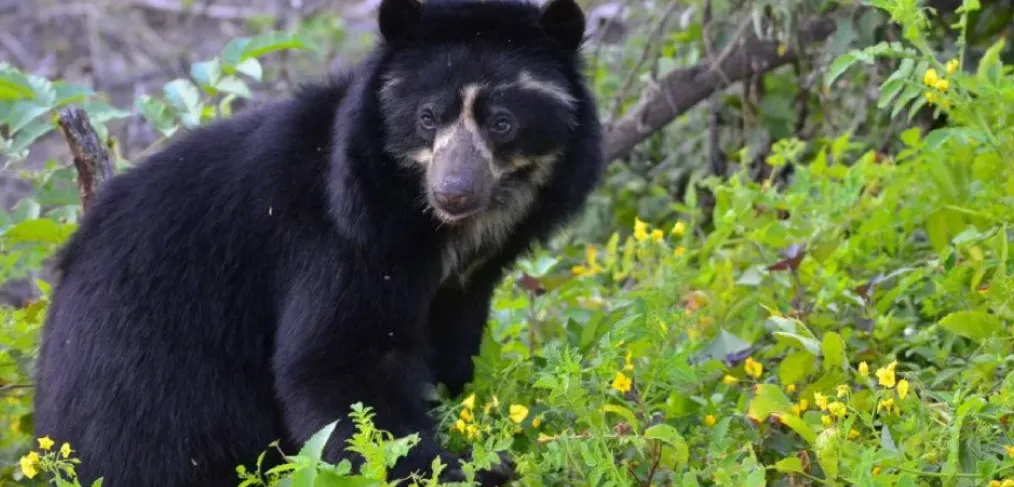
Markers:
<point>481,97</point>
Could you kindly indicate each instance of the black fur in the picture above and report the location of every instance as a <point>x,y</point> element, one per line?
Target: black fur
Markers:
<point>257,276</point>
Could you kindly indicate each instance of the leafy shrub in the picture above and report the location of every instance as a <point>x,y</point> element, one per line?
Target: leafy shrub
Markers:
<point>850,328</point>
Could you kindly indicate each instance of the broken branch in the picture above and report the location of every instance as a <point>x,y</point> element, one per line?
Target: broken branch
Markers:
<point>90,158</point>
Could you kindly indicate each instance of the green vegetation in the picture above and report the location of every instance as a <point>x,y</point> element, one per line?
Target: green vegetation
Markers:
<point>851,326</point>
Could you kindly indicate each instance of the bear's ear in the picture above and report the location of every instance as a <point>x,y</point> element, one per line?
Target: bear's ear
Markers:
<point>397,17</point>
<point>564,21</point>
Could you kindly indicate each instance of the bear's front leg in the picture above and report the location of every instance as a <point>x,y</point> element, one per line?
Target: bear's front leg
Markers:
<point>356,335</point>
<point>457,320</point>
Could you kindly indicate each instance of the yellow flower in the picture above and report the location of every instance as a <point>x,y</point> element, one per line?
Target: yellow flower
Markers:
<point>472,431</point>
<point>459,425</point>
<point>679,229</point>
<point>820,400</point>
<point>45,443</point>
<point>930,78</point>
<point>518,413</point>
<point>942,85</point>
<point>466,415</point>
<point>886,375</point>
<point>931,97</point>
<point>753,367</point>
<point>791,388</point>
<point>853,434</point>
<point>591,254</point>
<point>952,66</point>
<point>537,421</point>
<point>729,380</point>
<point>621,382</point>
<point>679,251</point>
<point>825,420</point>
<point>864,369</point>
<point>1010,450</point>
<point>796,410</point>
<point>710,420</point>
<point>469,402</point>
<point>843,390</point>
<point>30,464</point>
<point>579,270</point>
<point>876,470</point>
<point>65,450</point>
<point>886,404</point>
<point>994,483</point>
<point>1007,483</point>
<point>657,235</point>
<point>837,409</point>
<point>640,229</point>
<point>902,388</point>
<point>804,404</point>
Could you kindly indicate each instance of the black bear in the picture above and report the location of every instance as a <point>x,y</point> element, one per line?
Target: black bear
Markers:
<point>259,275</point>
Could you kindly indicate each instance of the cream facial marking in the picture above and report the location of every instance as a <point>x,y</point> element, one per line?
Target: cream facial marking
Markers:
<point>387,88</point>
<point>466,130</point>
<point>528,82</point>
<point>422,157</point>
<point>466,123</point>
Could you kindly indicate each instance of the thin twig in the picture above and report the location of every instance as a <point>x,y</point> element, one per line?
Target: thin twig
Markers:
<point>614,112</point>
<point>716,163</point>
<point>11,387</point>
<point>203,9</point>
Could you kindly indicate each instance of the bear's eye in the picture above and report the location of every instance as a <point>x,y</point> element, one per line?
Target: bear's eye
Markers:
<point>501,125</point>
<point>427,121</point>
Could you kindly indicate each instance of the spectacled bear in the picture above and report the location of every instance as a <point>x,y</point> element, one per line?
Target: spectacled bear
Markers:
<point>260,274</point>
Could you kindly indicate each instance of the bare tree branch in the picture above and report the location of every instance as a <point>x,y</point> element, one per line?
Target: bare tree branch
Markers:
<point>90,158</point>
<point>681,89</point>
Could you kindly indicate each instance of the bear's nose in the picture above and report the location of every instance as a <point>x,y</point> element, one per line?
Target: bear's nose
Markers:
<point>455,196</point>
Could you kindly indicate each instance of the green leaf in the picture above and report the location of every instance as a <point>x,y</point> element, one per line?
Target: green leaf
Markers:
<point>158,113</point>
<point>795,367</point>
<point>622,411</point>
<point>789,465</point>
<point>809,344</point>
<point>314,447</point>
<point>29,134</point>
<point>250,67</point>
<point>41,230</point>
<point>725,344</point>
<point>233,85</point>
<point>974,325</point>
<point>665,433</point>
<point>184,96</point>
<point>206,73</point>
<point>839,66</point>
<point>70,92</point>
<point>242,48</point>
<point>14,85</point>
<point>799,426</point>
<point>990,66</point>
<point>22,113</point>
<point>833,349</point>
<point>826,448</point>
<point>768,399</point>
